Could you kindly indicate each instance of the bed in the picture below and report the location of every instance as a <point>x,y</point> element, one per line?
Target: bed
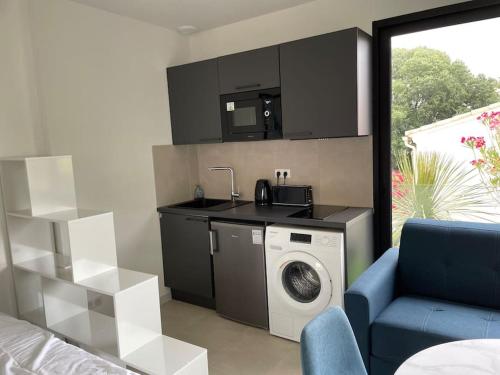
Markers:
<point>26,349</point>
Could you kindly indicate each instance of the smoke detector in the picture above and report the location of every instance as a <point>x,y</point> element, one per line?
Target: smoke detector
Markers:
<point>187,29</point>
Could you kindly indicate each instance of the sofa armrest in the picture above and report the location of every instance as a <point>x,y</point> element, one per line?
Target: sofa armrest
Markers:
<point>370,294</point>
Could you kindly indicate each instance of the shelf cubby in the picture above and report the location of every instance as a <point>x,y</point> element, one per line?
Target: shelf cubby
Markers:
<point>135,327</point>
<point>74,244</point>
<point>52,266</point>
<point>69,313</point>
<point>105,316</point>
<point>30,305</point>
<point>38,184</point>
<point>29,239</point>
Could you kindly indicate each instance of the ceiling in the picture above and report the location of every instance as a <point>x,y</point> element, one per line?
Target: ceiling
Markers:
<point>203,14</point>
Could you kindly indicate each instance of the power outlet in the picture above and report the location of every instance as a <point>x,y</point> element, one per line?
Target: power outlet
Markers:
<point>282,173</point>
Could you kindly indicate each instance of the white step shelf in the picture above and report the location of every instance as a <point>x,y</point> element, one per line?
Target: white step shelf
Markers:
<point>67,279</point>
<point>82,240</point>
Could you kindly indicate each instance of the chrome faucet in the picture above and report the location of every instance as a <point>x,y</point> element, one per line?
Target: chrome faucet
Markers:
<point>234,194</point>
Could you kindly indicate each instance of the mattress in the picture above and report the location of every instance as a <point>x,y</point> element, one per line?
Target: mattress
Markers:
<point>26,349</point>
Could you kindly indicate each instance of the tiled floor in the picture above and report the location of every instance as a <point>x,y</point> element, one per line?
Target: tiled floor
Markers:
<point>233,348</point>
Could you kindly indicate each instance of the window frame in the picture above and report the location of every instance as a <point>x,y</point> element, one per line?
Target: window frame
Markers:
<point>383,31</point>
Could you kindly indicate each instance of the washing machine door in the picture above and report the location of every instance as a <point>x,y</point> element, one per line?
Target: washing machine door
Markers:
<point>303,282</point>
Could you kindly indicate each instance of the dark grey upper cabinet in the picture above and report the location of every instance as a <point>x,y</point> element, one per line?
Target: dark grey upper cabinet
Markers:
<point>251,70</point>
<point>193,91</point>
<point>187,263</point>
<point>325,86</point>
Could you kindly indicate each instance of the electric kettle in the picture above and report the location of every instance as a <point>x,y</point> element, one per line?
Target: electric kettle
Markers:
<point>263,194</point>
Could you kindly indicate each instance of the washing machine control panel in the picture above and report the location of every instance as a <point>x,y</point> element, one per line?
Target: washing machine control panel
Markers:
<point>326,240</point>
<point>316,239</point>
<point>300,237</point>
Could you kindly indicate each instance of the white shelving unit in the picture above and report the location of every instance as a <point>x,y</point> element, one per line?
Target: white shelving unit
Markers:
<point>66,274</point>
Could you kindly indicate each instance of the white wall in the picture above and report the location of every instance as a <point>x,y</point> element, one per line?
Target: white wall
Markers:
<point>18,113</point>
<point>313,18</point>
<point>104,97</point>
<point>447,139</point>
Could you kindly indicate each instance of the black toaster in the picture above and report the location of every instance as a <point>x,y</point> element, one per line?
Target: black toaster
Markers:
<point>292,195</point>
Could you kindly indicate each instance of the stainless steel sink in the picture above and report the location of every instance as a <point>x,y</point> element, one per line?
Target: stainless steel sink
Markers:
<point>210,204</point>
<point>228,205</point>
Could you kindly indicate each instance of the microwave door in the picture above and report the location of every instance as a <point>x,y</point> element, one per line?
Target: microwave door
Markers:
<point>251,115</point>
<point>246,117</point>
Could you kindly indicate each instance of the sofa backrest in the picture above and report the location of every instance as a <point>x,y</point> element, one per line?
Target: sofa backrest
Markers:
<point>456,261</point>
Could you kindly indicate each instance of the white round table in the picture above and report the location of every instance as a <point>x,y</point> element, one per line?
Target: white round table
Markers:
<point>469,357</point>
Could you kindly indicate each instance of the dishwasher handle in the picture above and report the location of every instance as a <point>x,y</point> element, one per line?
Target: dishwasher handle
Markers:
<point>213,241</point>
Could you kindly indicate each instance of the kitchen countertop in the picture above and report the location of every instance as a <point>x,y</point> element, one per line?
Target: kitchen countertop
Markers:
<point>275,214</point>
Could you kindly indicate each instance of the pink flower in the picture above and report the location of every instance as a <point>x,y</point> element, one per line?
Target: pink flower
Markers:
<point>397,177</point>
<point>492,119</point>
<point>479,142</point>
<point>397,181</point>
<point>477,163</point>
<point>470,141</point>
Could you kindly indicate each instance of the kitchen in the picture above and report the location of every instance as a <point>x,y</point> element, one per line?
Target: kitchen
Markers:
<point>155,102</point>
<point>244,122</point>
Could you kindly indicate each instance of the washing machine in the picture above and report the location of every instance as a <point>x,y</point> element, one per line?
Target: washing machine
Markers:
<point>305,275</point>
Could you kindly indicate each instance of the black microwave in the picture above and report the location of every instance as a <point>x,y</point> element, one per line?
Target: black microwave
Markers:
<point>251,115</point>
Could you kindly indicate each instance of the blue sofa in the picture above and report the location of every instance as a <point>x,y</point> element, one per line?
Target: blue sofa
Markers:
<point>443,284</point>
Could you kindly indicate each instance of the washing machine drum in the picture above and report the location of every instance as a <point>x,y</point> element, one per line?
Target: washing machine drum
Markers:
<point>301,281</point>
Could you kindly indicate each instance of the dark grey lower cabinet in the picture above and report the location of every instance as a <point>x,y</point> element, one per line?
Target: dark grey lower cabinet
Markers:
<point>187,263</point>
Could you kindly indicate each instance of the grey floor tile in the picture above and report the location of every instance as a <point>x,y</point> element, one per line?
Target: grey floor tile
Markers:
<point>233,348</point>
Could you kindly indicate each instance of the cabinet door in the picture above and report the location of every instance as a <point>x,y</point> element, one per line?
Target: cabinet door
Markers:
<point>319,86</point>
<point>248,71</point>
<point>238,245</point>
<point>187,261</point>
<point>193,91</point>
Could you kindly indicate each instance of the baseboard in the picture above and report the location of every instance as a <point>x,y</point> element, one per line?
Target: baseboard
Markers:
<point>193,299</point>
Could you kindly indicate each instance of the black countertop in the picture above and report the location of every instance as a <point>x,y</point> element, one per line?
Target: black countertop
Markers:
<point>275,214</point>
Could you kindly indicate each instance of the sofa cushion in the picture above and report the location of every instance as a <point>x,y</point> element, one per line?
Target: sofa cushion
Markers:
<point>451,260</point>
<point>410,324</point>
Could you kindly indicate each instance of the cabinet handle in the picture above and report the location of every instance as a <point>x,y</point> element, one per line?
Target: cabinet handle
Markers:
<point>209,140</point>
<point>198,219</point>
<point>213,242</point>
<point>298,134</point>
<point>253,85</point>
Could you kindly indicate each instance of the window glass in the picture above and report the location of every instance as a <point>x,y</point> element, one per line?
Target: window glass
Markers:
<point>445,135</point>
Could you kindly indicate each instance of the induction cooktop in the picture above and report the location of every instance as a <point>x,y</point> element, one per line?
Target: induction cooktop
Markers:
<point>318,212</point>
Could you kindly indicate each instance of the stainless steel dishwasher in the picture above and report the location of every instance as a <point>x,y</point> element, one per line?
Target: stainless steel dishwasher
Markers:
<point>240,272</point>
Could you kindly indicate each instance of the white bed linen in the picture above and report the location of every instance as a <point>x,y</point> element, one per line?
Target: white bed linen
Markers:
<point>26,349</point>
